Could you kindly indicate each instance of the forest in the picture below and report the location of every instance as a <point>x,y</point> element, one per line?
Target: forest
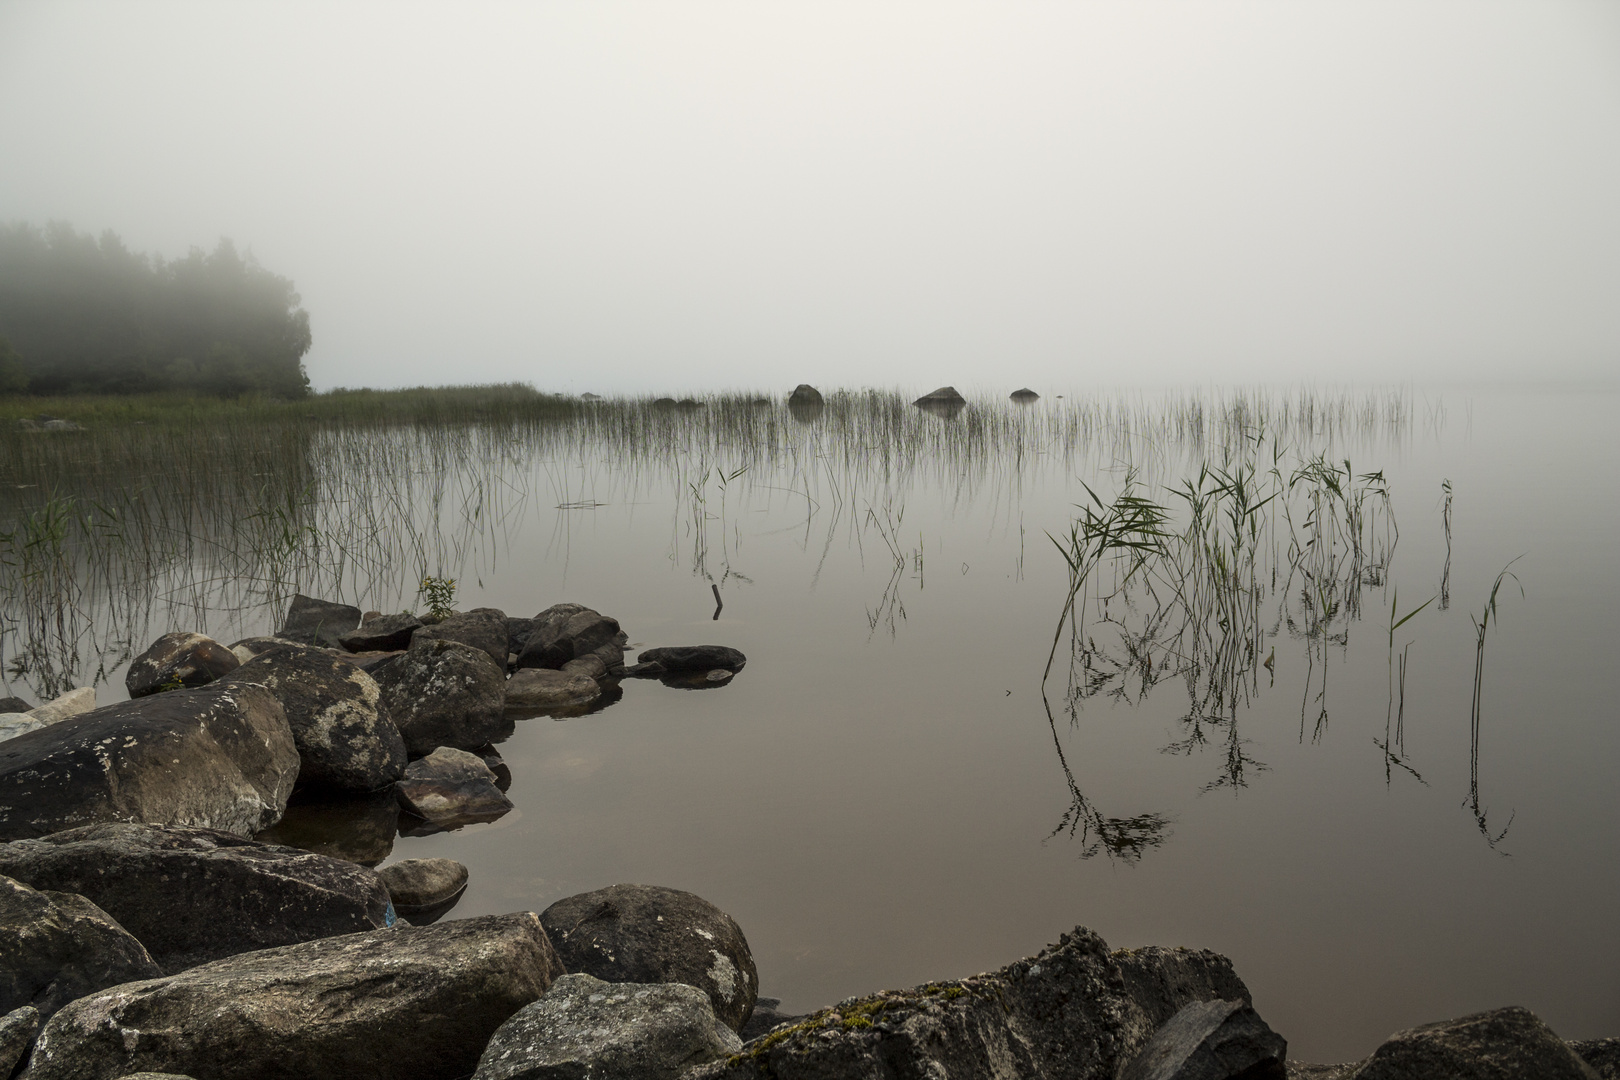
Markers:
<point>81,314</point>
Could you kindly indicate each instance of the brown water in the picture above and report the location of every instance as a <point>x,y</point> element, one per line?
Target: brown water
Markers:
<point>884,795</point>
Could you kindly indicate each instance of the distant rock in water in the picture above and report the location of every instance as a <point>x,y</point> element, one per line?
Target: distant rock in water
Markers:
<point>805,394</point>
<point>942,402</point>
<point>1025,396</point>
<point>699,658</point>
<point>664,403</point>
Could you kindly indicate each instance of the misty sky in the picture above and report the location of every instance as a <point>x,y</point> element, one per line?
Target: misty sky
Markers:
<point>663,197</point>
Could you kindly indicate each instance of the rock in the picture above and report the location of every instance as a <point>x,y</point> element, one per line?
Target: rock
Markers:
<point>58,946</point>
<point>318,622</point>
<point>248,648</point>
<point>1212,1040</point>
<point>764,1018</point>
<point>192,896</point>
<point>584,1027</point>
<point>544,688</point>
<point>1064,1014</point>
<point>1503,1044</point>
<point>648,934</point>
<point>697,658</point>
<point>14,705</point>
<point>482,628</point>
<point>358,828</point>
<point>945,395</point>
<point>219,757</point>
<point>590,664</point>
<point>1024,396</point>
<point>411,1003</point>
<point>17,1030</point>
<point>645,671</point>
<point>178,660</point>
<point>590,397</point>
<point>517,633</point>
<point>344,737</point>
<point>443,693</point>
<point>154,1076</point>
<point>564,632</point>
<point>73,703</point>
<point>1161,981</point>
<point>385,633</point>
<point>805,394</point>
<point>450,788</point>
<point>689,403</point>
<point>1602,1054</point>
<point>423,883</point>
<point>663,403</point>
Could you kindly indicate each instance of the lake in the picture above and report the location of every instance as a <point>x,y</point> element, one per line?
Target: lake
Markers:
<point>934,763</point>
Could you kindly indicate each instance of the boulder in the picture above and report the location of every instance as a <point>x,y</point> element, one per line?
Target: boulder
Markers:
<point>195,895</point>
<point>386,633</point>
<point>443,693</point>
<point>248,648</point>
<point>1160,981</point>
<point>545,688</point>
<point>411,1003</point>
<point>58,946</point>
<point>424,889</point>
<point>1064,1014</point>
<point>219,757</point>
<point>450,788</point>
<point>178,660</point>
<point>1503,1044</point>
<point>805,394</point>
<point>648,934</point>
<point>344,736</point>
<point>766,1016</point>
<point>945,395</point>
<point>1024,396</point>
<point>564,632</point>
<point>1212,1040</point>
<point>482,628</point>
<point>14,705</point>
<point>693,658</point>
<point>344,825</point>
<point>1602,1054</point>
<point>584,1027</point>
<point>590,664</point>
<point>17,1030</point>
<point>73,703</point>
<point>318,622</point>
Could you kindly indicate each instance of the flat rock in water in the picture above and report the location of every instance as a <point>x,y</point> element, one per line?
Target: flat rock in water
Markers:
<point>546,688</point>
<point>452,787</point>
<point>650,934</point>
<point>411,1003</point>
<point>195,895</point>
<point>420,883</point>
<point>17,1030</point>
<point>444,693</point>
<point>57,946</point>
<point>693,658</point>
<point>344,736</point>
<point>178,660</point>
<point>1212,1040</point>
<point>1503,1044</point>
<point>219,757</point>
<point>482,628</point>
<point>564,632</point>
<point>584,1027</point>
<point>386,633</point>
<point>318,622</point>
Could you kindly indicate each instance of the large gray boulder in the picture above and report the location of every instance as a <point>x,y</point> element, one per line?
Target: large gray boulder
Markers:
<point>1503,1044</point>
<point>195,895</point>
<point>482,628</point>
<point>219,757</point>
<point>443,693</point>
<point>650,934</point>
<point>17,1030</point>
<point>178,660</point>
<point>564,632</point>
<point>318,622</point>
<point>57,946</point>
<point>344,736</point>
<point>411,1003</point>
<point>450,788</point>
<point>693,658</point>
<point>584,1027</point>
<point>1065,1014</point>
<point>1212,1040</point>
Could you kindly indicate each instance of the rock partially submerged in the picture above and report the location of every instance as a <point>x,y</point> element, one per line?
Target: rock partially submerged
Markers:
<point>805,395</point>
<point>58,946</point>
<point>178,660</point>
<point>411,1003</point>
<point>450,788</point>
<point>565,632</point>
<point>423,890</point>
<point>698,659</point>
<point>443,693</point>
<point>545,688</point>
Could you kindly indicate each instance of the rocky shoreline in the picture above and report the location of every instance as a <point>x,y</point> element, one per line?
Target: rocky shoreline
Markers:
<point>148,927</point>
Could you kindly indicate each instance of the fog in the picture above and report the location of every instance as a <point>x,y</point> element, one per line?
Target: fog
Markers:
<point>698,196</point>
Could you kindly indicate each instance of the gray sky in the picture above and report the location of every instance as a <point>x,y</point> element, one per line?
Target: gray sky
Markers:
<point>694,195</point>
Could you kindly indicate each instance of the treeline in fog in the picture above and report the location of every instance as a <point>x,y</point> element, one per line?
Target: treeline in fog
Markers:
<point>81,314</point>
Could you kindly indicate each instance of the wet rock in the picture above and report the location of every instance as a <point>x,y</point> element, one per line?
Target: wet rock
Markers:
<point>544,688</point>
<point>58,946</point>
<point>358,828</point>
<point>805,394</point>
<point>482,628</point>
<point>1024,396</point>
<point>422,883</point>
<point>649,934</point>
<point>584,1027</point>
<point>411,1003</point>
<point>1503,1044</point>
<point>694,658</point>
<point>178,660</point>
<point>385,633</point>
<point>443,693</point>
<point>344,736</point>
<point>318,622</point>
<point>451,787</point>
<point>1211,1040</point>
<point>219,757</point>
<point>17,1030</point>
<point>564,632</point>
<point>73,703</point>
<point>1602,1054</point>
<point>192,896</point>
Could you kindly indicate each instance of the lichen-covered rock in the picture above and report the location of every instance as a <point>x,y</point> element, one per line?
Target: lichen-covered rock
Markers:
<point>385,633</point>
<point>178,660</point>
<point>219,757</point>
<point>58,946</point>
<point>1211,1040</point>
<point>450,788</point>
<point>584,1027</point>
<point>1503,1044</point>
<point>564,632</point>
<point>482,628</point>
<point>192,896</point>
<point>548,688</point>
<point>650,934</point>
<point>344,736</point>
<point>17,1030</point>
<point>411,1003</point>
<point>443,693</point>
